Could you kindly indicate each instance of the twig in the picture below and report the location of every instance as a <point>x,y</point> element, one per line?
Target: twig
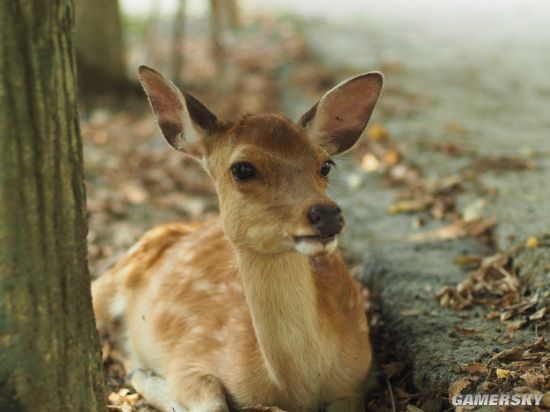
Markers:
<point>393,407</point>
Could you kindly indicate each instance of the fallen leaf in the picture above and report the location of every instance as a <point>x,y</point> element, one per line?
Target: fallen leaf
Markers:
<point>455,127</point>
<point>393,369</point>
<point>402,394</point>
<point>412,408</point>
<point>474,210</point>
<point>492,315</point>
<point>464,331</point>
<point>455,230</point>
<point>533,378</point>
<point>539,314</point>
<point>370,163</point>
<point>391,158</point>
<point>503,373</point>
<point>467,260</point>
<point>501,164</point>
<point>458,386</point>
<point>377,131</point>
<point>411,312</point>
<point>477,368</point>
<point>518,352</point>
<point>407,206</point>
<point>515,325</point>
<point>532,242</point>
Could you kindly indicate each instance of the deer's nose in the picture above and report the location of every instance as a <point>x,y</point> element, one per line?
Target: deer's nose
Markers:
<point>327,219</point>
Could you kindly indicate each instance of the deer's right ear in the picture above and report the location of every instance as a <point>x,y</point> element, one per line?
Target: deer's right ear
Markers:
<point>337,121</point>
<point>183,120</point>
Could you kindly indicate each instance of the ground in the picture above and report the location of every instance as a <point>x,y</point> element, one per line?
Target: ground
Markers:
<point>445,197</point>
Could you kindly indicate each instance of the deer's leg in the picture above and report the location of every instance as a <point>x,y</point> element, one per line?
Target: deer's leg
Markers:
<point>155,391</point>
<point>351,404</point>
<point>190,391</point>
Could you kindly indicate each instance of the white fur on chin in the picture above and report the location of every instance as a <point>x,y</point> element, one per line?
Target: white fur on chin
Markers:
<point>312,247</point>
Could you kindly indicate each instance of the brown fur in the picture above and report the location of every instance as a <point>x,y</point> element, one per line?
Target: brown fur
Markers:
<point>230,313</point>
<point>208,325</point>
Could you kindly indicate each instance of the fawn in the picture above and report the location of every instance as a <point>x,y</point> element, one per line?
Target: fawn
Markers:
<point>256,307</point>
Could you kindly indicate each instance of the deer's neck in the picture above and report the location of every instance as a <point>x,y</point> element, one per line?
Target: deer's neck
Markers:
<point>281,294</point>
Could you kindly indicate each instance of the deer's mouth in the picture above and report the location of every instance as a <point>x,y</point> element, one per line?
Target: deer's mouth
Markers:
<point>315,238</point>
<point>315,244</point>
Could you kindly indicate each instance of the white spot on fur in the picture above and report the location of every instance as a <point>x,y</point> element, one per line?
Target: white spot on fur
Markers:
<point>220,335</point>
<point>197,330</point>
<point>118,306</point>
<point>202,285</point>
<point>187,256</point>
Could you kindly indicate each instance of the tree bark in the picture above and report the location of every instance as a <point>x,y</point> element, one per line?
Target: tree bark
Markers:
<point>178,43</point>
<point>100,48</point>
<point>49,348</point>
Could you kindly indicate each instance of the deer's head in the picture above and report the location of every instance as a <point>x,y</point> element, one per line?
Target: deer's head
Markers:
<point>271,174</point>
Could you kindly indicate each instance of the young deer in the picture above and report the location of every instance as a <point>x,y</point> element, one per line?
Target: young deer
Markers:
<point>257,307</point>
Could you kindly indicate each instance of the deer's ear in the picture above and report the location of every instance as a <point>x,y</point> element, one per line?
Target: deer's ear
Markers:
<point>337,121</point>
<point>183,120</point>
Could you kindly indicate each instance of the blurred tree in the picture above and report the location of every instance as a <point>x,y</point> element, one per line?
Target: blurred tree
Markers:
<point>49,348</point>
<point>178,45</point>
<point>216,46</point>
<point>233,13</point>
<point>100,48</point>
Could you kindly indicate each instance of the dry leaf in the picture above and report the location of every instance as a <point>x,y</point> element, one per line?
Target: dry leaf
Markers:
<point>467,260</point>
<point>393,369</point>
<point>516,325</point>
<point>532,242</point>
<point>458,386</point>
<point>539,314</point>
<point>411,312</point>
<point>477,368</point>
<point>492,315</point>
<point>455,230</point>
<point>503,373</point>
<point>391,158</point>
<point>407,206</point>
<point>464,331</point>
<point>370,163</point>
<point>402,394</point>
<point>533,378</point>
<point>377,131</point>
<point>518,352</point>
<point>412,408</point>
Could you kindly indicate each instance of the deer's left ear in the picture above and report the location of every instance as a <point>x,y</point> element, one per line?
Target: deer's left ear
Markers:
<point>337,121</point>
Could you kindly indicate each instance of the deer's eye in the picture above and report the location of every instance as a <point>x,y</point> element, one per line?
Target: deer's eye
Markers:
<point>243,171</point>
<point>325,168</point>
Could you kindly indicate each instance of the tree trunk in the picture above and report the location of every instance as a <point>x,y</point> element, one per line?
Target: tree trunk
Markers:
<point>49,348</point>
<point>100,48</point>
<point>177,39</point>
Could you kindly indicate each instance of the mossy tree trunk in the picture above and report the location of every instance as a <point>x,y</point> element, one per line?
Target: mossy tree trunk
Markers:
<point>100,48</point>
<point>49,348</point>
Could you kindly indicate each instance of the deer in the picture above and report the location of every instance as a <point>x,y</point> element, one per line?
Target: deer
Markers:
<point>256,306</point>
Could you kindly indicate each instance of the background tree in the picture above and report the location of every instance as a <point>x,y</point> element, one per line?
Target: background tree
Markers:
<point>100,47</point>
<point>49,348</point>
